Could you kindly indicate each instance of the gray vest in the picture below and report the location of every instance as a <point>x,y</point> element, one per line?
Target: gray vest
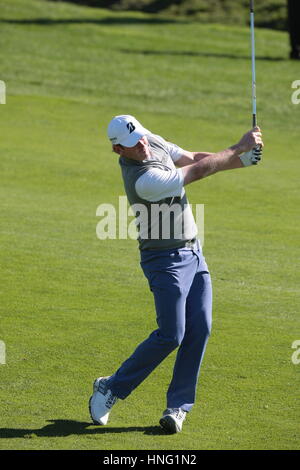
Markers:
<point>163,224</point>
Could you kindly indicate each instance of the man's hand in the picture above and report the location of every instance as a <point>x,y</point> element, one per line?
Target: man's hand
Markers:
<point>250,140</point>
<point>252,157</point>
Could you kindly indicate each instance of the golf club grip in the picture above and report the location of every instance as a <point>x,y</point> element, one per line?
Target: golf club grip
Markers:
<point>254,124</point>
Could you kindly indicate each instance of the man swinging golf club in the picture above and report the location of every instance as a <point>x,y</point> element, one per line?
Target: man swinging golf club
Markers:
<point>155,173</point>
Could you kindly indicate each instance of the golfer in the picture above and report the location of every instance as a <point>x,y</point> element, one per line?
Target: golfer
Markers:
<point>155,173</point>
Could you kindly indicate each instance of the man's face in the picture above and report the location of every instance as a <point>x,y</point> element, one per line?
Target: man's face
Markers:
<point>139,152</point>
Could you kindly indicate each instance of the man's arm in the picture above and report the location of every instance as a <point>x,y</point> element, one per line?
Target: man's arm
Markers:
<point>228,159</point>
<point>188,158</point>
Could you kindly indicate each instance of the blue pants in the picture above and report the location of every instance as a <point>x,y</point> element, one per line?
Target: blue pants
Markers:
<point>181,285</point>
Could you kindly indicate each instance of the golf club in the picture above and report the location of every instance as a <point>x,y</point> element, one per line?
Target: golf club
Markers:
<point>254,118</point>
<point>254,115</point>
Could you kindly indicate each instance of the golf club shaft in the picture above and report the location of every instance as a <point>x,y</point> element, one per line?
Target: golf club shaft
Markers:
<point>254,118</point>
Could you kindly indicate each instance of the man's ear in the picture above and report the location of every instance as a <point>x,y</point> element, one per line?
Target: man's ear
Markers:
<point>117,149</point>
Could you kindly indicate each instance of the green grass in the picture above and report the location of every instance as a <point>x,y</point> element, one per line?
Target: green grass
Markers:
<point>73,307</point>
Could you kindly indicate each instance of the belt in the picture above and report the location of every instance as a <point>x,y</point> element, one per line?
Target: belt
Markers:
<point>189,244</point>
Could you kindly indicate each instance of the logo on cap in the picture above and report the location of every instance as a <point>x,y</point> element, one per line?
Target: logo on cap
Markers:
<point>130,127</point>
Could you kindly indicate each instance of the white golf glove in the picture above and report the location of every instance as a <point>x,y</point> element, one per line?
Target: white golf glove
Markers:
<point>252,157</point>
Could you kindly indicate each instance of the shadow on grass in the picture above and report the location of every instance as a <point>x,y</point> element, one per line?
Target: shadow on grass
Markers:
<point>217,55</point>
<point>110,20</point>
<point>64,427</point>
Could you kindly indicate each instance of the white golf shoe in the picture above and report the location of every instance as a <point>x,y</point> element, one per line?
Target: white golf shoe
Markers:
<point>172,420</point>
<point>101,402</point>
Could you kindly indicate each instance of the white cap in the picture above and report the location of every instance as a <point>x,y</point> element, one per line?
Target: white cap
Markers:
<point>125,130</point>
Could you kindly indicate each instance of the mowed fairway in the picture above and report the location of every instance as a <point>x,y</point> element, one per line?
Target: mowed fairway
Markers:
<point>74,307</point>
